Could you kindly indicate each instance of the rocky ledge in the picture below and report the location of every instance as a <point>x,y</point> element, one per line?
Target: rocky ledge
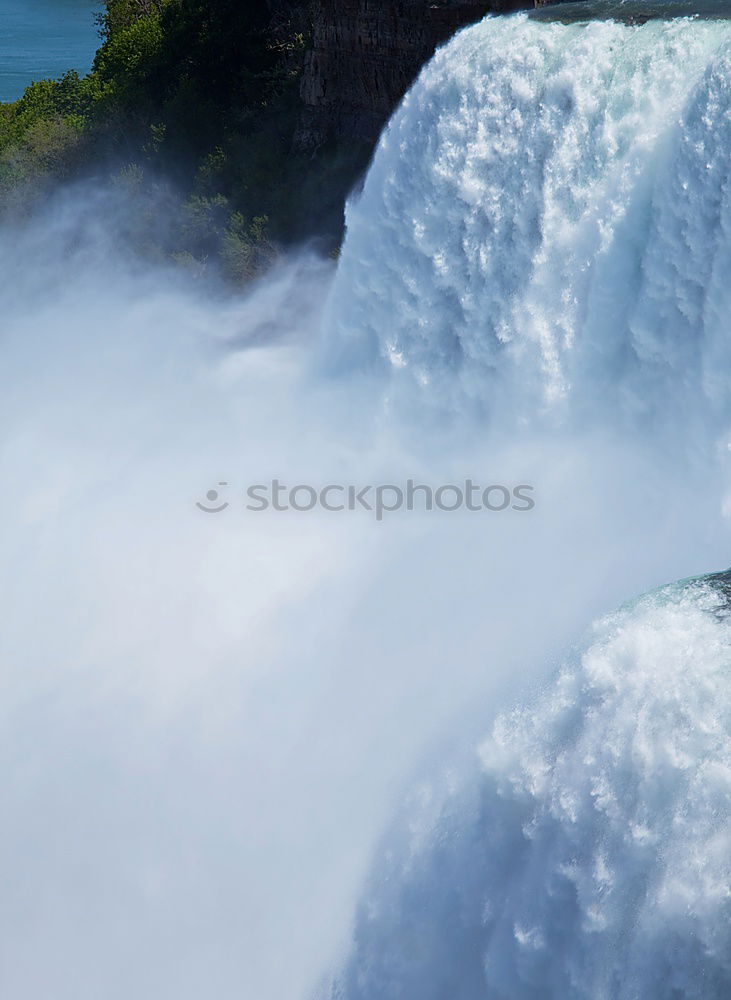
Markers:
<point>364,56</point>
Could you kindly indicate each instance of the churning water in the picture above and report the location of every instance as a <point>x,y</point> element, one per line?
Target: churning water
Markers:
<point>210,720</point>
<point>544,240</point>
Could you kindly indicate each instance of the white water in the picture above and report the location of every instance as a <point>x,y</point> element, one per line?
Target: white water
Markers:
<point>590,855</point>
<point>545,227</point>
<point>208,721</point>
<point>544,241</point>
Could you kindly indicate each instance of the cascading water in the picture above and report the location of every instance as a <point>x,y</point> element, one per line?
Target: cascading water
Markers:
<point>590,857</point>
<point>544,239</point>
<point>208,719</point>
<point>546,213</point>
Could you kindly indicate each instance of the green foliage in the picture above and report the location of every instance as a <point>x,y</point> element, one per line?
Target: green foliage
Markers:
<point>67,98</point>
<point>203,93</point>
<point>41,138</point>
<point>246,249</point>
<point>121,14</point>
<point>126,65</point>
<point>203,223</point>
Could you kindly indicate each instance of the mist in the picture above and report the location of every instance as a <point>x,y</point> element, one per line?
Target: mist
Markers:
<point>209,720</point>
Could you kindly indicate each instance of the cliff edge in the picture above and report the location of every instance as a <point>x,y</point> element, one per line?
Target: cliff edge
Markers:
<point>365,54</point>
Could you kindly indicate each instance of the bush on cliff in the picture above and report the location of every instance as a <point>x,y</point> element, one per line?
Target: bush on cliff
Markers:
<point>205,95</point>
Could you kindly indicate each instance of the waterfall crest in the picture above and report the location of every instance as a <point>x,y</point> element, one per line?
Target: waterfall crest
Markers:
<point>544,227</point>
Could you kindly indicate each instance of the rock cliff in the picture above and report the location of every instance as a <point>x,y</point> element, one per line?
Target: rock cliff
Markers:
<point>364,56</point>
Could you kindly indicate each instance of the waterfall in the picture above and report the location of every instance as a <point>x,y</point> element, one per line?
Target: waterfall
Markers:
<point>252,754</point>
<point>544,227</point>
<point>589,855</point>
<point>543,241</point>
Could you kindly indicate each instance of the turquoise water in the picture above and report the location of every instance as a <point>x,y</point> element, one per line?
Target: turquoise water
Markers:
<point>44,38</point>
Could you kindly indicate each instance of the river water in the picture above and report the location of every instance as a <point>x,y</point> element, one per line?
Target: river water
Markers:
<point>44,38</point>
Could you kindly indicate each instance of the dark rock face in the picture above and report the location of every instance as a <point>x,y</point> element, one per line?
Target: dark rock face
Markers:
<point>364,56</point>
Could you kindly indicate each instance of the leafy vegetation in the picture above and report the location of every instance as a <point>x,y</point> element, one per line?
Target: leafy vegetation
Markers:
<point>204,95</point>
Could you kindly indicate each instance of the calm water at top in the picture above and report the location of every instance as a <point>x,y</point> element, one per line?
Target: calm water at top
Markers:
<point>44,38</point>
